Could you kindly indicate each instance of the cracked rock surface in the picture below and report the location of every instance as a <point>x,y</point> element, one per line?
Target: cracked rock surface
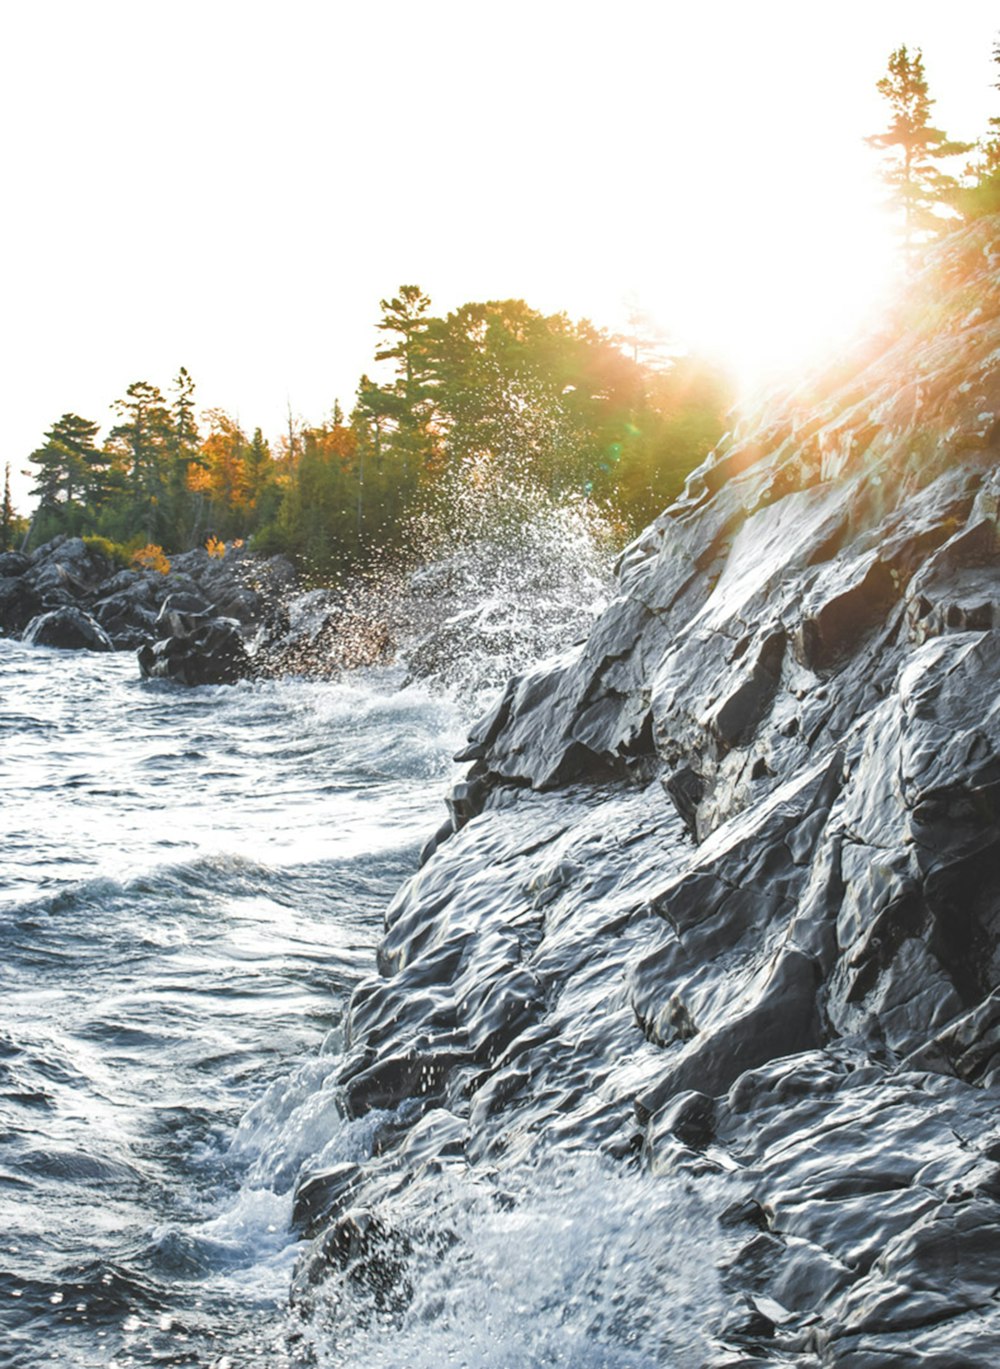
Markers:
<point>719,899</point>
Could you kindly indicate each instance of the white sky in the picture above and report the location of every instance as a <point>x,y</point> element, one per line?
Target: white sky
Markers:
<point>233,186</point>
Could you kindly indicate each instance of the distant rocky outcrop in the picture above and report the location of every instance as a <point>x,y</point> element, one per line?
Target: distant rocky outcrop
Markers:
<point>68,593</point>
<point>720,894</point>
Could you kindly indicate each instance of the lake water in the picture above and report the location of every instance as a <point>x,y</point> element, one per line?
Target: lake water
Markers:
<point>192,882</point>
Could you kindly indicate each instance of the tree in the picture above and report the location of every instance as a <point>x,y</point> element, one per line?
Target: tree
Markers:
<point>220,474</point>
<point>182,509</point>
<point>7,516</point>
<point>920,188</point>
<point>143,442</point>
<point>70,466</point>
<point>983,195</point>
<point>407,404</point>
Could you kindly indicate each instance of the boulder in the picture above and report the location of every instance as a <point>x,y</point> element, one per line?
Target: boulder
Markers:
<point>19,603</point>
<point>205,651</point>
<point>13,563</point>
<point>68,628</point>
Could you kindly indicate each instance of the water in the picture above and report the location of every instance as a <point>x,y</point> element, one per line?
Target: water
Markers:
<point>191,884</point>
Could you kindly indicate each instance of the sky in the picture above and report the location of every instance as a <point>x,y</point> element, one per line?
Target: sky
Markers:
<point>233,187</point>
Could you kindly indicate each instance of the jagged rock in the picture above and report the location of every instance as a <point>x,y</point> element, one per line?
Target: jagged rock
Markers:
<point>70,566</point>
<point>202,651</point>
<point>720,892</point>
<point>69,628</point>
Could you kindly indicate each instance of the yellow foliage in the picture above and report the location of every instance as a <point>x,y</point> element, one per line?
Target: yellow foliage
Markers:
<point>151,557</point>
<point>215,547</point>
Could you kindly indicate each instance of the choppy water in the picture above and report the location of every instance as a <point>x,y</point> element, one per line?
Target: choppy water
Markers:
<point>190,884</point>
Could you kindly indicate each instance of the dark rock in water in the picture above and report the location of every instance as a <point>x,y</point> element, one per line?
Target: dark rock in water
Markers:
<point>721,892</point>
<point>133,605</point>
<point>19,603</point>
<point>205,651</point>
<point>69,628</point>
<point>323,1195</point>
<point>127,615</point>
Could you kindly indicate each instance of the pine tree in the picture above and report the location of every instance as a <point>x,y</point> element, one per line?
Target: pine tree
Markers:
<point>920,188</point>
<point>70,465</point>
<point>6,513</point>
<point>983,195</point>
<point>408,402</point>
<point>182,444</point>
<point>143,445</point>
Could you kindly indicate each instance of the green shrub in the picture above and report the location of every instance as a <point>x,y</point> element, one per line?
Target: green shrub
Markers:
<point>114,552</point>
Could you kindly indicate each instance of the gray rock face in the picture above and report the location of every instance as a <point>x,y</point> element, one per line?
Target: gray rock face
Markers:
<point>720,895</point>
<point>19,603</point>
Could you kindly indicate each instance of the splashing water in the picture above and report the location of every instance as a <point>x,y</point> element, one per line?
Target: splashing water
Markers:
<point>507,574</point>
<point>576,1263</point>
<point>512,574</point>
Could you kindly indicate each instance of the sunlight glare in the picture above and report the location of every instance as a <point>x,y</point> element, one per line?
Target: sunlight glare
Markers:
<point>765,303</point>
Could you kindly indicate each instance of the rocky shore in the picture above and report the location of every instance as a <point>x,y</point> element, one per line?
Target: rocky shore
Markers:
<point>70,593</point>
<point>719,897</point>
<point>204,620</point>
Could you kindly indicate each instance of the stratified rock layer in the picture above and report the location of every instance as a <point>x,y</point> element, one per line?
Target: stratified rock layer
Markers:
<point>721,893</point>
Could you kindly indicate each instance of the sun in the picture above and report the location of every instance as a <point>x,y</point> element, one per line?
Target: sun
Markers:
<point>769,304</point>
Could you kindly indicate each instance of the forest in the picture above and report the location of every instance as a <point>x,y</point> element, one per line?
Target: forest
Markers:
<point>494,393</point>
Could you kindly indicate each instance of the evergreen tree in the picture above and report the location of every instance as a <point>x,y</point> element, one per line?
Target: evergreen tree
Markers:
<point>405,408</point>
<point>983,195</point>
<point>142,444</point>
<point>6,513</point>
<point>258,468</point>
<point>70,468</point>
<point>920,188</point>
<point>182,505</point>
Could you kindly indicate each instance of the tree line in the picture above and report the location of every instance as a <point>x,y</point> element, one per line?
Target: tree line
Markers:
<point>492,388</point>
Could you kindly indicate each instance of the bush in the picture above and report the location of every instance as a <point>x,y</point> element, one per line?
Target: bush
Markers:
<point>151,557</point>
<point>111,551</point>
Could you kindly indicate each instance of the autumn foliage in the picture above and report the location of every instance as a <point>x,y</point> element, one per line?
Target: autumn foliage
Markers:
<point>151,557</point>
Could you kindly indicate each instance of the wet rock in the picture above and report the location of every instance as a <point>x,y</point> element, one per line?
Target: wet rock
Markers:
<point>767,957</point>
<point>19,603</point>
<point>322,1195</point>
<point>69,628</point>
<point>203,651</point>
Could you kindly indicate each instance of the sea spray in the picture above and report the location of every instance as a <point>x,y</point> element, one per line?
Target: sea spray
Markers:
<point>497,572</point>
<point>577,1262</point>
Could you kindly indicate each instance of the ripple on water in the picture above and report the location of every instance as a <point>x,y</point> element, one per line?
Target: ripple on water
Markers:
<point>191,884</point>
